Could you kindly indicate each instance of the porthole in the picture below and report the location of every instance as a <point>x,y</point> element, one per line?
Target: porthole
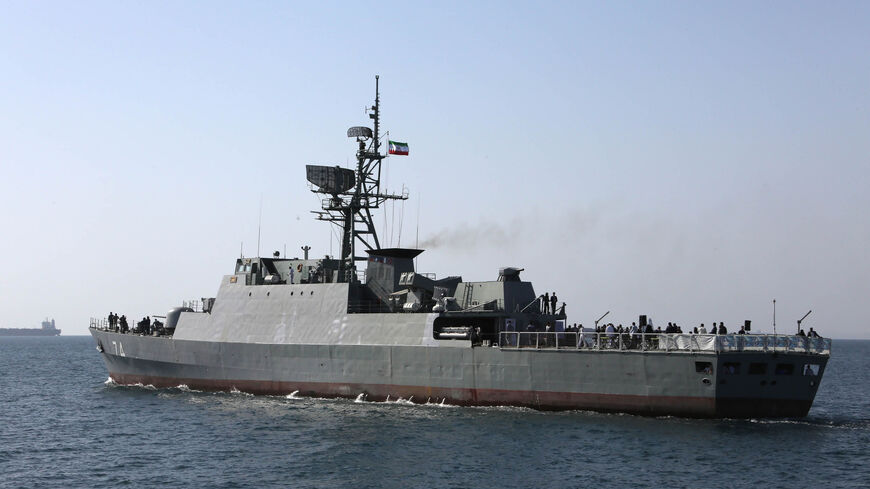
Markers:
<point>312,293</point>
<point>249,294</point>
<point>706,381</point>
<point>291,293</point>
<point>267,294</point>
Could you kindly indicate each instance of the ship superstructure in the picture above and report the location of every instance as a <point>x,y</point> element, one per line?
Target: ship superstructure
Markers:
<point>366,322</point>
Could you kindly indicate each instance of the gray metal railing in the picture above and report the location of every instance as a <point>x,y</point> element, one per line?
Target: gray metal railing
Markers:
<point>155,328</point>
<point>663,342</point>
<point>99,323</point>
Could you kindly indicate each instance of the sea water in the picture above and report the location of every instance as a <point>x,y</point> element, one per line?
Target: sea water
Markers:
<point>62,424</point>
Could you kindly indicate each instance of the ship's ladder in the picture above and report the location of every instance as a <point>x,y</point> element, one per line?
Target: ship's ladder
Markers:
<point>467,295</point>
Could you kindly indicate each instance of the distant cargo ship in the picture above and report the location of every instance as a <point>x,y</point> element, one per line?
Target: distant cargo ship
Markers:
<point>47,329</point>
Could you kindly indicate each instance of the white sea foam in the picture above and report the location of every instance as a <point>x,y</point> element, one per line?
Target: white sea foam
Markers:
<point>111,383</point>
<point>444,404</point>
<point>140,385</point>
<point>293,395</point>
<point>402,401</point>
<point>803,422</point>
<point>236,391</point>
<point>362,398</point>
<point>438,404</point>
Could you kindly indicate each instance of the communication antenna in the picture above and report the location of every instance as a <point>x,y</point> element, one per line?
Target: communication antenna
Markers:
<point>386,181</point>
<point>417,238</point>
<point>401,219</point>
<point>353,194</point>
<point>802,320</point>
<point>259,225</point>
<point>774,325</point>
<point>392,222</point>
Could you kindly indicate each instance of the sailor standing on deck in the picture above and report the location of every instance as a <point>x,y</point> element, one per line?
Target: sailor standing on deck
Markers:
<point>553,302</point>
<point>546,305</point>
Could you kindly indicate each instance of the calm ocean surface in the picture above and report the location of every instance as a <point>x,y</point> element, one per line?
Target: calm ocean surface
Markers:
<point>62,425</point>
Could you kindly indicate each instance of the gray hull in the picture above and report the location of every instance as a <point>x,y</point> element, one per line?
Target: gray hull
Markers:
<point>640,382</point>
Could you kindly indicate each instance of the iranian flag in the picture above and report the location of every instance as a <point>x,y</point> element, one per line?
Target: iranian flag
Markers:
<point>397,148</point>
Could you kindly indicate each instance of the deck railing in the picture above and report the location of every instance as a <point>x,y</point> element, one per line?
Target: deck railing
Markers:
<point>99,323</point>
<point>155,329</point>
<point>664,342</point>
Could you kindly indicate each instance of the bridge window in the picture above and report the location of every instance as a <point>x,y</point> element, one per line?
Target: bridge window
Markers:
<point>757,368</point>
<point>704,367</point>
<point>731,368</point>
<point>784,368</point>
<point>811,369</point>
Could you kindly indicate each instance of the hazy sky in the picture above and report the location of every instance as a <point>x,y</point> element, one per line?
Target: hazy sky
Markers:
<point>687,160</point>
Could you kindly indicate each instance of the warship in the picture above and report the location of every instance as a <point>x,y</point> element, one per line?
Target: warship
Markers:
<point>367,324</point>
<point>47,329</point>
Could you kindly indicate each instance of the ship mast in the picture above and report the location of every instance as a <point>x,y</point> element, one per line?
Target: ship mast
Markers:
<point>353,194</point>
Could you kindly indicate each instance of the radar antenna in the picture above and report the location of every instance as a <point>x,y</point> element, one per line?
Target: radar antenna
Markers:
<point>354,193</point>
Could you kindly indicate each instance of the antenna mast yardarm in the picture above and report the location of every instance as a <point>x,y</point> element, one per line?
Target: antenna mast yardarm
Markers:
<point>351,209</point>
